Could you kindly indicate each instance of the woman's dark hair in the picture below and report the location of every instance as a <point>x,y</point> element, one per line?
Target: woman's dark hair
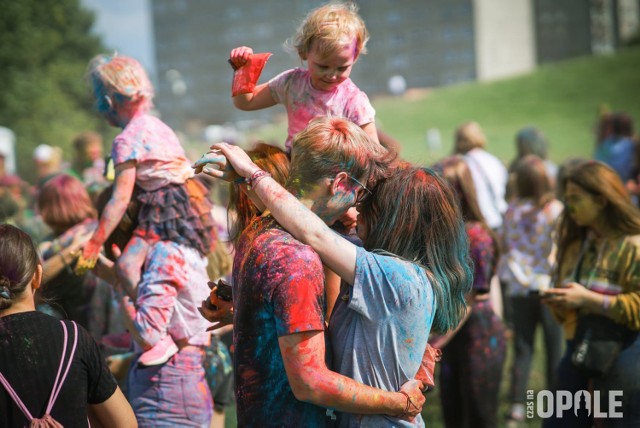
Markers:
<point>18,262</point>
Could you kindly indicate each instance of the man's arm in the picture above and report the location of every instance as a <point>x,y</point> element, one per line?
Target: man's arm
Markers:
<point>311,381</point>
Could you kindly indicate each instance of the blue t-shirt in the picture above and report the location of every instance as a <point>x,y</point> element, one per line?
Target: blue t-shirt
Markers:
<point>619,154</point>
<point>379,328</point>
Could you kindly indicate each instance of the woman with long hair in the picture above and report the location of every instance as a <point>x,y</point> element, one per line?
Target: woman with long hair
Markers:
<point>527,238</point>
<point>473,354</point>
<point>598,275</point>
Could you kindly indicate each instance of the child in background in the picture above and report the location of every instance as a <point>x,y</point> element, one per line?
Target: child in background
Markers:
<point>330,39</point>
<point>147,154</point>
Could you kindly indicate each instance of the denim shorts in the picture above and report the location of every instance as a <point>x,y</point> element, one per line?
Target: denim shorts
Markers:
<point>172,394</point>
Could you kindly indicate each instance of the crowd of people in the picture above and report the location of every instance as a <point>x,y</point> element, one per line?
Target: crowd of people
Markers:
<point>352,271</point>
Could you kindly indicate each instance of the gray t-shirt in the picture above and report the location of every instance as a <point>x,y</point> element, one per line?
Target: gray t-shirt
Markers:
<point>379,328</point>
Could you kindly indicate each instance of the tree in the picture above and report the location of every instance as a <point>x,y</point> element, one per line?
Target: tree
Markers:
<point>45,46</point>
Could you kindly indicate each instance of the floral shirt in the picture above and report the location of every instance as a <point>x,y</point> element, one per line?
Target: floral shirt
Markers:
<point>303,102</point>
<point>527,235</point>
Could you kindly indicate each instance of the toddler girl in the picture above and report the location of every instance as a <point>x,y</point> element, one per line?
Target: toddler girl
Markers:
<point>330,39</point>
<point>146,154</point>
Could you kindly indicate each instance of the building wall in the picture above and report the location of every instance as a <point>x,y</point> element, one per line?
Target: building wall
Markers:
<point>562,28</point>
<point>504,38</point>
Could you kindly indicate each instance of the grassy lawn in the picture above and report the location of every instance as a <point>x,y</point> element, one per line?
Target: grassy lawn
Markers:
<point>561,99</point>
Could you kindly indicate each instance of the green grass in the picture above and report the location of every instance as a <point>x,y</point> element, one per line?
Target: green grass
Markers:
<point>561,99</point>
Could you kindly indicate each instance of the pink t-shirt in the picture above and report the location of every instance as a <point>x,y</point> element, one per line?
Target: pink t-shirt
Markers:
<point>160,158</point>
<point>303,102</point>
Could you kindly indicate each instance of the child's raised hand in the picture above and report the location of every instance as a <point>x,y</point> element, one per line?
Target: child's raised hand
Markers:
<point>239,56</point>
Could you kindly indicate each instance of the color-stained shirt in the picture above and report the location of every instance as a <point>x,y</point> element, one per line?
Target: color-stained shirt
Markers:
<point>173,286</point>
<point>482,250</point>
<point>303,102</point>
<point>278,291</point>
<point>379,328</point>
<point>159,156</point>
<point>527,235</point>
<point>609,266</point>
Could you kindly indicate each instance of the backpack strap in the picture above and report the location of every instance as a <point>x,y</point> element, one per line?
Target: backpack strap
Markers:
<point>57,384</point>
<point>15,397</point>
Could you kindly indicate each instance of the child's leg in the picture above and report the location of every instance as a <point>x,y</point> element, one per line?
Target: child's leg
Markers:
<point>129,265</point>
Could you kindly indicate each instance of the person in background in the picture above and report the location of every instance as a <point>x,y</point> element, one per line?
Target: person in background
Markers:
<point>47,162</point>
<point>618,149</point>
<point>31,350</point>
<point>598,274</point>
<point>527,239</point>
<point>88,163</point>
<point>488,172</point>
<point>65,206</point>
<point>490,178</point>
<point>473,354</point>
<point>531,141</point>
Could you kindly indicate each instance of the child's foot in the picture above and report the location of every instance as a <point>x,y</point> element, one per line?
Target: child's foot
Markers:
<point>160,353</point>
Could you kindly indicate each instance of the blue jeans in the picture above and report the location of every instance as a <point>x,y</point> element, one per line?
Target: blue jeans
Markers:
<point>172,394</point>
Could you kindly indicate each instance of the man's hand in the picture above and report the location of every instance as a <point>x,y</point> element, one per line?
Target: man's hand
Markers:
<point>216,310</point>
<point>415,399</point>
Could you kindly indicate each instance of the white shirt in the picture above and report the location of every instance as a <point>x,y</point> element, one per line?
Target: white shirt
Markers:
<point>490,178</point>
